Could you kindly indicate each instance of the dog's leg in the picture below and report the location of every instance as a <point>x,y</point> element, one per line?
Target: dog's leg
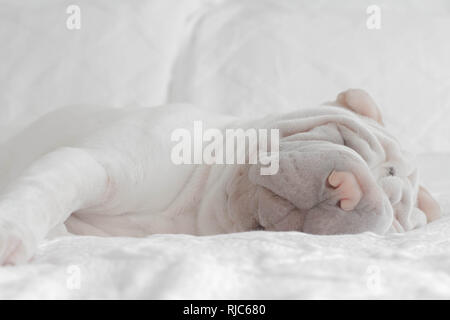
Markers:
<point>61,182</point>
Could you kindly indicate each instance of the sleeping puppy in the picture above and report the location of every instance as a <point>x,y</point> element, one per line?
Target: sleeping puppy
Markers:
<point>108,172</point>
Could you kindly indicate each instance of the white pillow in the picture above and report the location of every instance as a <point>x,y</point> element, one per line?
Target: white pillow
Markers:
<point>261,56</point>
<point>122,55</point>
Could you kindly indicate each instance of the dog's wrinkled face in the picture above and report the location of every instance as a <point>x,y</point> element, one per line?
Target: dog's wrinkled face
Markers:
<point>398,178</point>
<point>412,204</point>
<point>336,177</point>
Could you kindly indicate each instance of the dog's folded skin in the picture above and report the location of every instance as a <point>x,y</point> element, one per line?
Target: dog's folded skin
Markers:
<point>314,145</point>
<point>109,173</point>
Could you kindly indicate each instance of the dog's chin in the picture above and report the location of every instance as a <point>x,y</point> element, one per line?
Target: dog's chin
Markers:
<point>254,207</point>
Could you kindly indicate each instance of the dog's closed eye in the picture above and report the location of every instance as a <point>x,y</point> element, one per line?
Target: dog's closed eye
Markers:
<point>391,171</point>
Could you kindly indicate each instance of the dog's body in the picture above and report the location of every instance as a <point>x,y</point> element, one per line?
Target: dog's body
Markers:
<point>109,172</point>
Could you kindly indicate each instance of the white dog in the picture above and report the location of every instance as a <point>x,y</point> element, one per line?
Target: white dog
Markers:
<point>108,172</point>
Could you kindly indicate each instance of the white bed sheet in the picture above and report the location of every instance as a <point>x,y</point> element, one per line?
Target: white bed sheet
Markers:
<point>251,265</point>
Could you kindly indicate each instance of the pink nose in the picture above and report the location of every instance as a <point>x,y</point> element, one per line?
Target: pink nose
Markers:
<point>347,188</point>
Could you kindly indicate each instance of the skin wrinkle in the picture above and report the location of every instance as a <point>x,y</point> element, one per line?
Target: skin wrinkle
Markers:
<point>277,197</point>
<point>340,120</point>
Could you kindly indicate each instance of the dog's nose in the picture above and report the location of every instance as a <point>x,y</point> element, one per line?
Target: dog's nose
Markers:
<point>347,188</point>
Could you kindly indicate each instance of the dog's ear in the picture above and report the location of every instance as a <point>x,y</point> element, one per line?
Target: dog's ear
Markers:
<point>359,101</point>
<point>428,205</point>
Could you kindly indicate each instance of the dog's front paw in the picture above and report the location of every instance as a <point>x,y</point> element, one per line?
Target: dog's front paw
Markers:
<point>16,245</point>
